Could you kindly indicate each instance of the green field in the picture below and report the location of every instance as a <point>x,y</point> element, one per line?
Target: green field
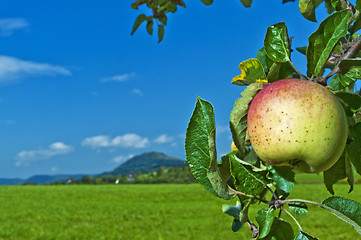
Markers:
<point>142,212</point>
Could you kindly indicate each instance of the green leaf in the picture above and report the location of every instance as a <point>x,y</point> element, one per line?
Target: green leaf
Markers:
<point>201,150</point>
<point>238,119</point>
<point>345,209</point>
<point>207,2</point>
<point>160,33</point>
<point>246,3</point>
<point>347,64</point>
<point>307,9</point>
<point>234,211</point>
<point>280,71</point>
<point>283,177</point>
<point>302,50</point>
<point>304,236</point>
<point>324,39</point>
<point>236,225</point>
<point>341,81</point>
<point>264,59</point>
<point>335,173</point>
<point>353,149</point>
<point>265,218</point>
<point>138,21</point>
<point>276,43</point>
<point>351,101</point>
<point>298,208</point>
<point>163,19</point>
<point>247,178</point>
<point>252,71</point>
<point>150,26</point>
<point>281,230</point>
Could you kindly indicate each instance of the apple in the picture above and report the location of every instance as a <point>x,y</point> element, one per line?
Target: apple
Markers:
<point>299,124</point>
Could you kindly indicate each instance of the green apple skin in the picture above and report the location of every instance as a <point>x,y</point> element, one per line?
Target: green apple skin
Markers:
<point>297,123</point>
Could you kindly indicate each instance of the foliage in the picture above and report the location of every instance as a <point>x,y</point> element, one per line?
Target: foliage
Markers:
<point>333,60</point>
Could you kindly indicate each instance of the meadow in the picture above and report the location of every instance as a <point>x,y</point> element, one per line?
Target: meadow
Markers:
<point>161,211</point>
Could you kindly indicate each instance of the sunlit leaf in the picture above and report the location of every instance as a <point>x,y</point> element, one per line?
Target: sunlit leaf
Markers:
<point>276,43</point>
<point>283,177</point>
<point>252,71</point>
<point>307,9</point>
<point>248,179</point>
<point>265,218</point>
<point>298,208</point>
<point>201,150</point>
<point>345,209</point>
<point>324,39</point>
<point>238,119</point>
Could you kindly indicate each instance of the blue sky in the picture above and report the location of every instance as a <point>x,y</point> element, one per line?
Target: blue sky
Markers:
<point>78,94</point>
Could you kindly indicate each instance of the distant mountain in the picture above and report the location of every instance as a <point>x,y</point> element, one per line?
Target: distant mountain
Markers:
<point>143,163</point>
<point>39,179</point>
<point>146,162</point>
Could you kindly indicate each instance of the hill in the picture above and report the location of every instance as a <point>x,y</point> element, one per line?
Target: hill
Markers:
<point>145,163</point>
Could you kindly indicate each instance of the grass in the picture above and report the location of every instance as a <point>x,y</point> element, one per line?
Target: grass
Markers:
<point>143,212</point>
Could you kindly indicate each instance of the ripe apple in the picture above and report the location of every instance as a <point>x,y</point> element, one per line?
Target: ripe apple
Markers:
<point>297,123</point>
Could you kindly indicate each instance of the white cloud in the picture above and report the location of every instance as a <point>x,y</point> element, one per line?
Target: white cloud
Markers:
<point>137,92</point>
<point>25,158</point>
<point>9,25</point>
<point>12,68</point>
<point>164,138</point>
<point>118,78</point>
<point>128,140</point>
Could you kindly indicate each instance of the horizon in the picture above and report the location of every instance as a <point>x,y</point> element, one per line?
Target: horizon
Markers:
<point>78,93</point>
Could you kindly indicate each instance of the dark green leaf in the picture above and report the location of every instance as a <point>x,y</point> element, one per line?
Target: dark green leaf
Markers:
<point>283,177</point>
<point>280,71</point>
<point>238,119</point>
<point>298,208</point>
<point>346,209</point>
<point>163,19</point>
<point>160,33</point>
<point>252,71</point>
<point>335,173</point>
<point>276,43</point>
<point>265,218</point>
<point>201,150</point>
<point>236,225</point>
<point>304,236</point>
<point>347,64</point>
<point>337,5</point>
<point>218,183</point>
<point>139,20</point>
<point>234,211</point>
<point>281,230</point>
<point>207,2</point>
<point>247,178</point>
<point>351,101</point>
<point>324,39</point>
<point>171,7</point>
<point>302,50</point>
<point>347,79</point>
<point>353,149</point>
<point>150,26</point>
<point>246,3</point>
<point>264,59</point>
<point>307,9</point>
